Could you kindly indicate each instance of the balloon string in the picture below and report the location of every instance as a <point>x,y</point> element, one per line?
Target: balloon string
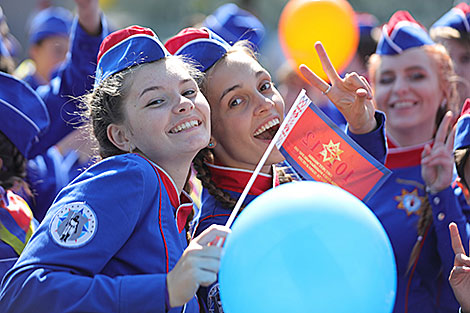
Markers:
<point>261,164</point>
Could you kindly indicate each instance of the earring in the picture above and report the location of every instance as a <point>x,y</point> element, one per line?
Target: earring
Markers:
<point>212,143</point>
<point>131,148</point>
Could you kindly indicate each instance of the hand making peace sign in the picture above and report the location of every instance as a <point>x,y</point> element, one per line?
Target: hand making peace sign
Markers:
<point>437,162</point>
<point>460,275</point>
<point>352,95</point>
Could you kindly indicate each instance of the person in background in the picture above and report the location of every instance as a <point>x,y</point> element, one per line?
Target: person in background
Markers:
<point>453,31</point>
<point>115,238</point>
<point>234,24</point>
<point>23,118</point>
<point>414,85</point>
<point>49,43</point>
<point>50,167</point>
<point>462,150</point>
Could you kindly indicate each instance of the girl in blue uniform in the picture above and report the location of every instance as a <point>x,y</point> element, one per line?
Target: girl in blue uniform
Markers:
<point>414,84</point>
<point>23,118</point>
<point>246,112</point>
<point>114,240</point>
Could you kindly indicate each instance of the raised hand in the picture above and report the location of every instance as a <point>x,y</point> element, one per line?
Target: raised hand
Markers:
<point>89,16</point>
<point>437,162</point>
<point>198,266</point>
<point>352,95</point>
<point>459,277</point>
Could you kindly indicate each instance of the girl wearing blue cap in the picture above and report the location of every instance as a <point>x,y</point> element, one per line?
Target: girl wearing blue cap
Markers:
<point>114,240</point>
<point>414,84</point>
<point>246,111</point>
<point>23,118</point>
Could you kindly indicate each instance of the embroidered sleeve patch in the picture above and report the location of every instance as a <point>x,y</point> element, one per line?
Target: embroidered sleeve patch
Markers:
<point>73,225</point>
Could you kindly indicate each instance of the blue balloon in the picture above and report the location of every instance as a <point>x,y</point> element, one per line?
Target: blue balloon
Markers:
<point>307,247</point>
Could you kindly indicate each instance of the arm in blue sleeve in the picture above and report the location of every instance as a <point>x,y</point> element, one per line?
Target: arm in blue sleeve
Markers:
<point>447,208</point>
<point>374,142</point>
<point>72,79</point>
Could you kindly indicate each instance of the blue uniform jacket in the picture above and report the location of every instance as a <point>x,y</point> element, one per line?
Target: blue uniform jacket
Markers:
<point>398,206</point>
<point>72,79</point>
<point>106,244</point>
<point>234,181</point>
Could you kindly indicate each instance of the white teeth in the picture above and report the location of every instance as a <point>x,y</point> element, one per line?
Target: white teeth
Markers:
<point>266,126</point>
<point>184,126</point>
<point>402,105</point>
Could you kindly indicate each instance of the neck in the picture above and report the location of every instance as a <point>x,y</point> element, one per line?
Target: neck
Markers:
<point>410,137</point>
<point>178,169</point>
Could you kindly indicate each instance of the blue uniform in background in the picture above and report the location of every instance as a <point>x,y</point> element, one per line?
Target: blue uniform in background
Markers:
<point>233,181</point>
<point>47,173</point>
<point>106,244</point>
<point>398,205</point>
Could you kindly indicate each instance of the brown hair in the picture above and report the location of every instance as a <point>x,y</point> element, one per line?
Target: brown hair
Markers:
<point>448,83</point>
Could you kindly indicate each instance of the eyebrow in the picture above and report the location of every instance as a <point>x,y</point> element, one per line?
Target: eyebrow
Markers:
<point>184,81</point>
<point>226,91</point>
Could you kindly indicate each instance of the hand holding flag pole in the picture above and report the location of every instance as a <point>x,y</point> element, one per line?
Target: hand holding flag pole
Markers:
<point>352,95</point>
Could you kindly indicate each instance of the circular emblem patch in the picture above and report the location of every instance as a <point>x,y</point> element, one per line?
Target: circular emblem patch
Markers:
<point>73,225</point>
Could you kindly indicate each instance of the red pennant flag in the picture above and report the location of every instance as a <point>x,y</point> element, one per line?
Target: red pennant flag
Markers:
<point>319,150</point>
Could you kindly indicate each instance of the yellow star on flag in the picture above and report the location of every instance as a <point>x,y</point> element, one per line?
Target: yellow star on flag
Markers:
<point>331,152</point>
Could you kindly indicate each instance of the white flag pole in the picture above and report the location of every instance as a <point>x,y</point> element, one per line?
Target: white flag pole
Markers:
<point>263,161</point>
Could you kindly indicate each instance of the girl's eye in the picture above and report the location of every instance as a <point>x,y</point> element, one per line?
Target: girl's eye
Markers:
<point>156,102</point>
<point>235,102</point>
<point>386,79</point>
<point>417,76</point>
<point>266,86</point>
<point>189,92</point>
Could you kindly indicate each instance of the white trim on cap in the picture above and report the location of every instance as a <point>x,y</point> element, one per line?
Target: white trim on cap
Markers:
<point>154,38</point>
<point>8,105</point>
<point>462,15</point>
<point>390,41</point>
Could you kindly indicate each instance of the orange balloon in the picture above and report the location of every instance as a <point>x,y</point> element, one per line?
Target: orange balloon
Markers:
<point>304,22</point>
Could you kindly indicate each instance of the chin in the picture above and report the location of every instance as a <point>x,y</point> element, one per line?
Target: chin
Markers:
<point>275,157</point>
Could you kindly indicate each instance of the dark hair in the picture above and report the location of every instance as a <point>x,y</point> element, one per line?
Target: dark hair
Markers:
<point>204,175</point>
<point>104,105</point>
<point>13,170</point>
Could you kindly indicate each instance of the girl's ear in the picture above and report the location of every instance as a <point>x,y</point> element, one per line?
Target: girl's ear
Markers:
<point>118,135</point>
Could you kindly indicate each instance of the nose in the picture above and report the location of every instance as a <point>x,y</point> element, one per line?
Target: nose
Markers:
<point>263,104</point>
<point>185,105</point>
<point>401,86</point>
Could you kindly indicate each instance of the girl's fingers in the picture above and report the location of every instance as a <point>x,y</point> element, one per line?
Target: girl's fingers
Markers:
<point>326,63</point>
<point>450,139</point>
<point>211,234</point>
<point>457,245</point>
<point>367,87</point>
<point>443,128</point>
<point>313,78</point>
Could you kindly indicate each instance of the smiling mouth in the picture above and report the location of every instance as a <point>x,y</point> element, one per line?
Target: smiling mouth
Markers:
<point>185,126</point>
<point>403,105</point>
<point>268,130</point>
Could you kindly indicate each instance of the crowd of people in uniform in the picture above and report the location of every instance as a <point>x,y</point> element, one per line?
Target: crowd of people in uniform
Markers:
<point>123,156</point>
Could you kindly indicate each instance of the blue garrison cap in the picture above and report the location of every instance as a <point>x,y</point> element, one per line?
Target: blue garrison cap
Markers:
<point>199,44</point>
<point>234,24</point>
<point>125,48</point>
<point>53,21</point>
<point>457,18</point>
<point>400,33</point>
<point>23,115</point>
